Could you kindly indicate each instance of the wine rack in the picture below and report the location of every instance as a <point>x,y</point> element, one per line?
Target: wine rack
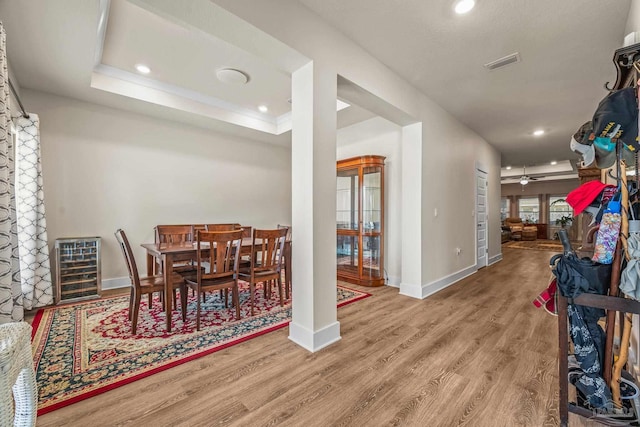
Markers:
<point>77,269</point>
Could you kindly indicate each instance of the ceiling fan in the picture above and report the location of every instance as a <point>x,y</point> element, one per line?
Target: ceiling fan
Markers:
<point>524,179</point>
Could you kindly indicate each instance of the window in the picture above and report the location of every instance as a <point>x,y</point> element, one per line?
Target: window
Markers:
<point>558,207</point>
<point>504,208</point>
<point>529,209</point>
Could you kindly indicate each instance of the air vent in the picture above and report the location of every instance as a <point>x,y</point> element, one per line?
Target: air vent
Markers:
<point>509,59</point>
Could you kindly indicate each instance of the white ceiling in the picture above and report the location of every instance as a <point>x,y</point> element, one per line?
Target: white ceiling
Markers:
<point>189,59</point>
<point>566,48</point>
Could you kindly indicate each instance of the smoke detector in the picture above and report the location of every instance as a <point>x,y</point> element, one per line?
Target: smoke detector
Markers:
<point>232,76</point>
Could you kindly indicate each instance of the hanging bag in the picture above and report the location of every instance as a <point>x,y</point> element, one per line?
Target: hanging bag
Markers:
<point>608,233</point>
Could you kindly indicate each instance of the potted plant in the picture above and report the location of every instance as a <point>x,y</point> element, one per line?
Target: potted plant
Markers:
<point>564,220</point>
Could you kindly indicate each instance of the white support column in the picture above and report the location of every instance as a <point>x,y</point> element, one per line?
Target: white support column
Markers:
<point>411,284</point>
<point>314,322</point>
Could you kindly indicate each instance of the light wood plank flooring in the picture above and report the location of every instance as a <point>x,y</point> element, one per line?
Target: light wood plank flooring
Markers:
<point>476,354</point>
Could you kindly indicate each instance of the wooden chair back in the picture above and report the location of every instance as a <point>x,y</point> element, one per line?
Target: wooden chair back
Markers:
<point>174,233</point>
<point>268,249</point>
<point>288,227</point>
<point>128,258</point>
<point>247,230</point>
<point>223,246</point>
<point>221,227</point>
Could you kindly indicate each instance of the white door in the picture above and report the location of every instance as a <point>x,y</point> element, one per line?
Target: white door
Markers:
<point>481,218</point>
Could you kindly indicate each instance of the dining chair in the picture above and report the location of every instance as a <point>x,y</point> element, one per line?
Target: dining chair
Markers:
<point>142,285</point>
<point>176,234</point>
<point>220,227</point>
<point>221,258</point>
<point>267,250</point>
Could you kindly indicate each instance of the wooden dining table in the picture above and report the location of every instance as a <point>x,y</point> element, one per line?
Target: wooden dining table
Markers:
<point>168,253</point>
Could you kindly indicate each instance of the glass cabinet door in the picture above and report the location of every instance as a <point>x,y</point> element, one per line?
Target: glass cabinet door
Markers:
<point>371,221</point>
<point>348,220</point>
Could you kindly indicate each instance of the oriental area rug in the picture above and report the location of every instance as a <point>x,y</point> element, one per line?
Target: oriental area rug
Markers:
<point>536,245</point>
<point>85,349</point>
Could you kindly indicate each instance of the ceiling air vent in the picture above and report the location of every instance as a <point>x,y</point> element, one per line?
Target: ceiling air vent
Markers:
<point>509,59</point>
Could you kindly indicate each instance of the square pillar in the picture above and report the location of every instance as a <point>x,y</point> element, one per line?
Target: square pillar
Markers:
<point>314,322</point>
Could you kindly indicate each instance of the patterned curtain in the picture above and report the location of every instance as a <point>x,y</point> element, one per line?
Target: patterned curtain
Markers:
<point>10,290</point>
<point>35,270</point>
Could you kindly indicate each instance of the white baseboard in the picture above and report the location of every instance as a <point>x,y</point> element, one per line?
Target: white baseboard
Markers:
<point>116,283</point>
<point>424,290</point>
<point>495,259</point>
<point>314,340</point>
<point>393,281</point>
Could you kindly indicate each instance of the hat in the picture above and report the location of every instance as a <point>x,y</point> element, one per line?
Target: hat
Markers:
<point>587,152</point>
<point>583,133</point>
<point>582,196</point>
<point>605,152</point>
<point>617,117</point>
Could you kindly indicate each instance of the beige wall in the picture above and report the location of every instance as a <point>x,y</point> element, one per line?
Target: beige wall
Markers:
<point>105,169</point>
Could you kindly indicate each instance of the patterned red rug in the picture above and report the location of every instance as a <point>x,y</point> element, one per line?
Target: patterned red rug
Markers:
<point>85,349</point>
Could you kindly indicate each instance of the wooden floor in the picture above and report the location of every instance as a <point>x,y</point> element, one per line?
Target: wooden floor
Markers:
<point>476,354</point>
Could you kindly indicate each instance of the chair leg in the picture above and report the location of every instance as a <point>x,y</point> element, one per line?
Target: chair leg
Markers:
<point>252,289</point>
<point>136,312</point>
<point>226,298</point>
<point>236,299</point>
<point>279,283</point>
<point>132,297</point>
<point>183,301</point>
<point>175,299</point>
<point>150,296</point>
<point>199,291</point>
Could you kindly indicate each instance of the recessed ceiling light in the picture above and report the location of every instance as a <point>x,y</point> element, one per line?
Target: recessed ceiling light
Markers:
<point>263,108</point>
<point>232,76</point>
<point>144,69</point>
<point>508,168</point>
<point>553,163</point>
<point>538,132</point>
<point>464,6</point>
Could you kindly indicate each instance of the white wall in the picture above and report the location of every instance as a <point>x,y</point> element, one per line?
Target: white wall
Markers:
<point>105,168</point>
<point>380,137</point>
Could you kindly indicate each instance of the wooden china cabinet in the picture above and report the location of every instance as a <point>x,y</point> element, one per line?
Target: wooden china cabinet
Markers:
<point>360,220</point>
